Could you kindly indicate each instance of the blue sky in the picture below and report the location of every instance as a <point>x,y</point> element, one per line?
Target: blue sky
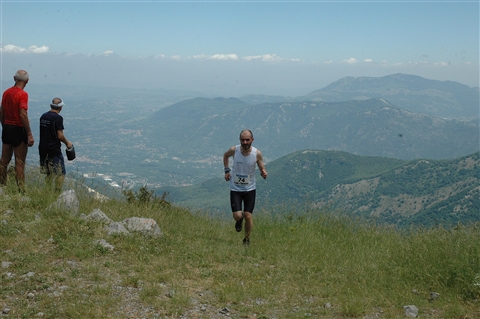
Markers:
<point>231,48</point>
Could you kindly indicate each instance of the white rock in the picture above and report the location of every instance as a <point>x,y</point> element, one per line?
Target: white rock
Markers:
<point>67,201</point>
<point>146,226</point>
<point>99,216</point>
<point>434,295</point>
<point>411,311</point>
<point>116,228</point>
<point>104,244</point>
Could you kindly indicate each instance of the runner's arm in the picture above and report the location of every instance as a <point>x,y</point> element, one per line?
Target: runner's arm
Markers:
<point>261,165</point>
<point>229,153</point>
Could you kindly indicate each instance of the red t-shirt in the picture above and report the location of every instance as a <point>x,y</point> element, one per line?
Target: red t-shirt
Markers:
<point>13,100</point>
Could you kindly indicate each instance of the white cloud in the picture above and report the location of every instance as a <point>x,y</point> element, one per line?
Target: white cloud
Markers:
<point>351,61</point>
<point>221,57</point>
<point>271,57</point>
<point>252,57</point>
<point>368,60</point>
<point>442,63</point>
<point>328,62</point>
<point>201,56</point>
<point>224,57</point>
<point>35,49</point>
<point>13,48</point>
<point>265,57</point>
<point>10,48</point>
<point>107,53</point>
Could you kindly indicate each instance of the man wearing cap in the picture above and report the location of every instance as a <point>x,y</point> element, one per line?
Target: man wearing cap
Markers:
<point>16,133</point>
<point>51,134</point>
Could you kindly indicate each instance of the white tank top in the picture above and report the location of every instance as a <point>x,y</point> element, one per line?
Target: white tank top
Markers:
<point>243,171</point>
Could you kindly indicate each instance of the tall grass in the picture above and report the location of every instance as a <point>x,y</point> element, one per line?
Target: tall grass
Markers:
<point>299,261</point>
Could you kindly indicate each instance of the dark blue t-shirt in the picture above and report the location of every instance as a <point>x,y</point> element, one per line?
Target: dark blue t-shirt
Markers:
<point>50,123</point>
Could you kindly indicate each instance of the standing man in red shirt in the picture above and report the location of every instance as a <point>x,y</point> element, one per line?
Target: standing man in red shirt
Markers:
<point>16,133</point>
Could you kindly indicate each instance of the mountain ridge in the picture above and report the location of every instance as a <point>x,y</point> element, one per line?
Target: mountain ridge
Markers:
<point>115,133</point>
<point>379,189</point>
<point>446,99</point>
<point>363,127</point>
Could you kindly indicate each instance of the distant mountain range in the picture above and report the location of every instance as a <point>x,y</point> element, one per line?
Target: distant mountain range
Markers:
<point>161,137</point>
<point>398,149</point>
<point>200,128</point>
<point>445,99</point>
<point>404,193</point>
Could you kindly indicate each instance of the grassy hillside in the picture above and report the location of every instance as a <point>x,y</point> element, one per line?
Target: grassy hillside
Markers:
<point>405,193</point>
<point>420,192</point>
<point>306,264</point>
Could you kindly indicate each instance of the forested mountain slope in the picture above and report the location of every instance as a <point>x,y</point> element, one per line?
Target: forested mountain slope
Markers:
<point>417,192</point>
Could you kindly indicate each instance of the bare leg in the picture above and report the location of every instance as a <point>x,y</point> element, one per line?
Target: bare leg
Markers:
<point>7,152</point>
<point>248,224</point>
<point>20,155</point>
<point>238,215</point>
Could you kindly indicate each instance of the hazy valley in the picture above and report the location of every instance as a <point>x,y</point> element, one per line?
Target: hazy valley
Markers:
<point>130,138</point>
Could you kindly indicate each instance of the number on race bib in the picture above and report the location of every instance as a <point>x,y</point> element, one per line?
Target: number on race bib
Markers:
<point>241,179</point>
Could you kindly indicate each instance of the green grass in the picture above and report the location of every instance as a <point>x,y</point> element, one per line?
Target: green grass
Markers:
<point>297,262</point>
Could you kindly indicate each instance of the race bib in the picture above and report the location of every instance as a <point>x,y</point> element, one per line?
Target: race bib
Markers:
<point>241,179</point>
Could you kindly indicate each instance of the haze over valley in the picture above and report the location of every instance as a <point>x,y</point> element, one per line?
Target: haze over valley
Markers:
<point>131,138</point>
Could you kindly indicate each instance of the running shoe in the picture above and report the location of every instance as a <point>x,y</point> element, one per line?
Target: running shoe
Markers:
<point>246,242</point>
<point>238,225</point>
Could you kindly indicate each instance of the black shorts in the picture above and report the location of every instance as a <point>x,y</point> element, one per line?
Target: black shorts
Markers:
<point>248,199</point>
<point>14,135</point>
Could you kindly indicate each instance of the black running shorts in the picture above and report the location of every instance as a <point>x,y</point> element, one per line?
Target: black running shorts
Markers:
<point>14,135</point>
<point>248,199</point>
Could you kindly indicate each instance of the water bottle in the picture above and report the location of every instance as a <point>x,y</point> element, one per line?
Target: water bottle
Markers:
<point>70,153</point>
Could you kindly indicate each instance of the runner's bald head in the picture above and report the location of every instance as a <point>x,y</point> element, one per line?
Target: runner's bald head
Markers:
<point>245,131</point>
